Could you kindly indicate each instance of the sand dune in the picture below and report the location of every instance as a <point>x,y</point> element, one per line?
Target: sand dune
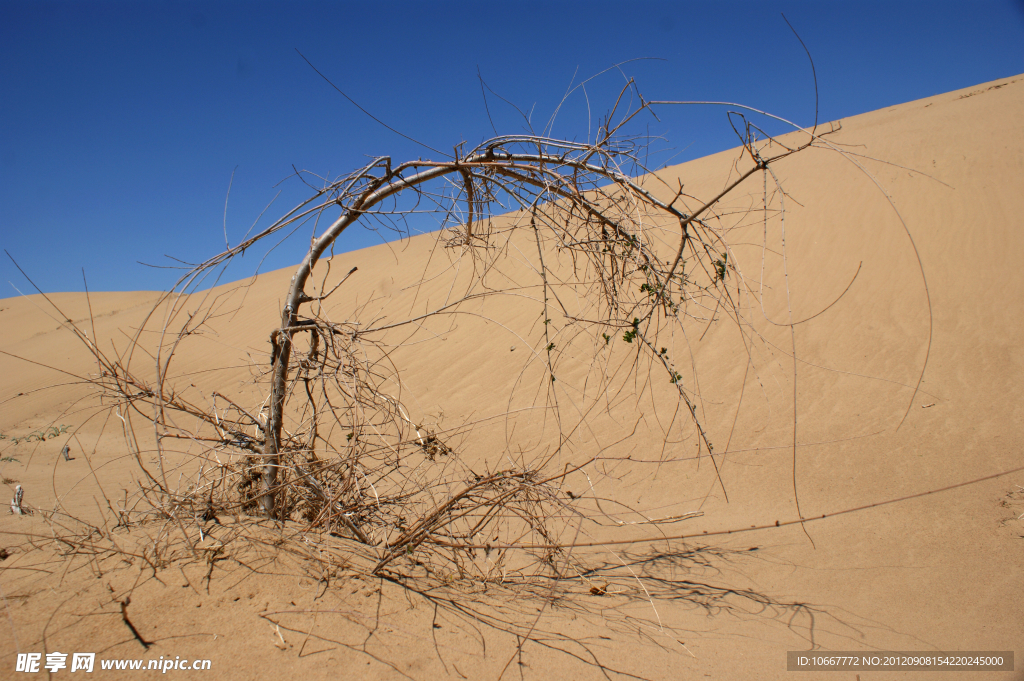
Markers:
<point>898,294</point>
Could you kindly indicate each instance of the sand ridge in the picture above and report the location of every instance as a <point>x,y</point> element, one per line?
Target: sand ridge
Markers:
<point>937,572</point>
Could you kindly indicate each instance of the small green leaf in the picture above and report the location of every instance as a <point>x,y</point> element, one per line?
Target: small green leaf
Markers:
<point>720,267</point>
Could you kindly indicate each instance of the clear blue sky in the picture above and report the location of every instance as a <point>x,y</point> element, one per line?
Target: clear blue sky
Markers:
<point>121,122</point>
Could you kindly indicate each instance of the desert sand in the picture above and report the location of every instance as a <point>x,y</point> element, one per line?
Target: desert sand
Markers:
<point>897,423</point>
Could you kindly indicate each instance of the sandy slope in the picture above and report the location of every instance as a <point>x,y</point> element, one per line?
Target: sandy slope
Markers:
<point>935,572</point>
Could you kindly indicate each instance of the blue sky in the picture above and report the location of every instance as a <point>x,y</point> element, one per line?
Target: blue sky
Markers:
<point>121,122</point>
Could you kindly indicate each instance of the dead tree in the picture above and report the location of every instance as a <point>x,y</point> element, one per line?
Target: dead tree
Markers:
<point>593,201</point>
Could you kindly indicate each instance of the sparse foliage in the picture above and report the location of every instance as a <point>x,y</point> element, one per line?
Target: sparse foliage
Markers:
<point>38,435</point>
<point>326,448</point>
